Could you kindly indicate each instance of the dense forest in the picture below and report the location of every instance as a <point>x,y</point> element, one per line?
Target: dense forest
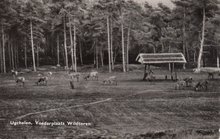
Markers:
<point>72,33</point>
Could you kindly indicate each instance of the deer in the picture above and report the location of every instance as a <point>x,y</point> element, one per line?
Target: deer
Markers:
<point>111,80</point>
<point>42,80</point>
<point>92,75</point>
<point>20,80</point>
<point>75,75</point>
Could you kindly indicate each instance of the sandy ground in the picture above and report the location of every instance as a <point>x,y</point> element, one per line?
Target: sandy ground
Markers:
<point>132,109</point>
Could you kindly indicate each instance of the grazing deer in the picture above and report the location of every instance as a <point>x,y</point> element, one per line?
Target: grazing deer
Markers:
<point>40,74</point>
<point>201,86</point>
<point>180,85</point>
<point>49,74</point>
<point>111,80</point>
<point>189,81</point>
<point>92,75</point>
<point>42,80</point>
<point>14,73</point>
<point>149,75</point>
<point>20,80</point>
<point>210,75</point>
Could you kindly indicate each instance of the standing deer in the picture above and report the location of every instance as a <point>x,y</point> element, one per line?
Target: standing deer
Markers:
<point>92,75</point>
<point>75,75</point>
<point>20,80</point>
<point>42,80</point>
<point>111,80</point>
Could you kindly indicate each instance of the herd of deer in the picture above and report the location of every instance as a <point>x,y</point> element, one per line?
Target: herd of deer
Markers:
<point>94,76</point>
<point>44,77</point>
<point>188,82</point>
<point>20,80</point>
<point>112,80</point>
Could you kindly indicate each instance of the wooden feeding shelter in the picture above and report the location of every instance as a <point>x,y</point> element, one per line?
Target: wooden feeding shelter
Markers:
<point>160,58</point>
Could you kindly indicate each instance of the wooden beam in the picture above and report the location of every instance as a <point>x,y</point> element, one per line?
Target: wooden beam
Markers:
<point>171,71</point>
<point>145,73</point>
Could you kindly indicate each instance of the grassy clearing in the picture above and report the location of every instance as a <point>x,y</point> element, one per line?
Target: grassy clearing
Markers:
<point>134,108</point>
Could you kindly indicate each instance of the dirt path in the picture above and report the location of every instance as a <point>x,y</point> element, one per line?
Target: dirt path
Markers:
<point>76,106</point>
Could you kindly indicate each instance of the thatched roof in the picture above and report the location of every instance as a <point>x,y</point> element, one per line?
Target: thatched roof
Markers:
<point>158,58</point>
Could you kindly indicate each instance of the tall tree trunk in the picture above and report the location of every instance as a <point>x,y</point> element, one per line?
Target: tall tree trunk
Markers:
<point>123,45</point>
<point>38,55</point>
<point>109,51</point>
<point>17,55</point>
<point>1,60</point>
<point>80,52</point>
<point>9,54</point>
<point>65,46</point>
<point>32,47</point>
<point>128,46</point>
<point>3,49</point>
<point>52,44</point>
<point>63,54</point>
<point>187,52</point>
<point>194,56</point>
<point>93,47</point>
<point>162,46</point>
<point>111,43</point>
<point>58,50</point>
<point>169,49</point>
<point>71,44</point>
<point>115,56</point>
<point>184,36</point>
<point>96,57</point>
<point>217,58</point>
<point>101,57</point>
<point>25,54</point>
<point>74,47</point>
<point>154,49</point>
<point>12,56</point>
<point>202,40</point>
<point>184,32</point>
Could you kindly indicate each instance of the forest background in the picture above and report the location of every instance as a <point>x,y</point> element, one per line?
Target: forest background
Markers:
<point>71,33</point>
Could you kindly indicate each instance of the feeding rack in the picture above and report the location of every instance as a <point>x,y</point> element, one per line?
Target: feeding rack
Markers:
<point>160,58</point>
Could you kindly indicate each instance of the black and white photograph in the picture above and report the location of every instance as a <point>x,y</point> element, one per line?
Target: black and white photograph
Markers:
<point>109,69</point>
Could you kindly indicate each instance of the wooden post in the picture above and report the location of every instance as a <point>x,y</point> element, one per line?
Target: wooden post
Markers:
<point>171,72</point>
<point>169,67</point>
<point>174,72</point>
<point>145,69</point>
<point>72,84</point>
<point>174,77</point>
